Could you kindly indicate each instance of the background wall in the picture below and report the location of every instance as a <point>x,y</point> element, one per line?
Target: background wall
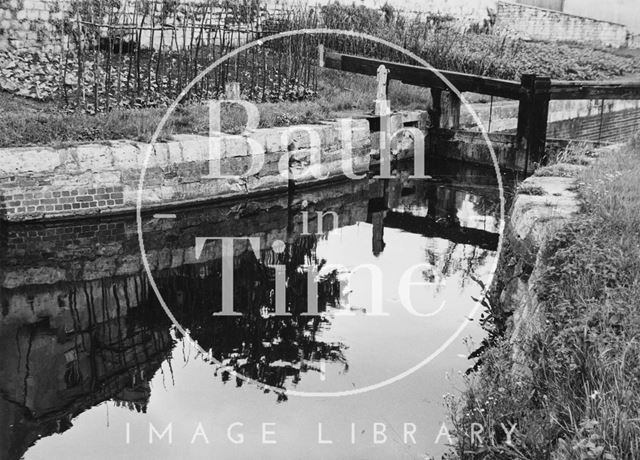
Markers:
<point>467,9</point>
<point>557,5</point>
<point>29,24</point>
<point>534,23</point>
<point>626,12</point>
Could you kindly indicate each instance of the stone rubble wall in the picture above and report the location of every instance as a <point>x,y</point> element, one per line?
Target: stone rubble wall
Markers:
<point>544,204</point>
<point>31,25</point>
<point>35,25</point>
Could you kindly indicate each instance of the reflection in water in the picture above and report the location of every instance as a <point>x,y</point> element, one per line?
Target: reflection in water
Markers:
<point>80,324</point>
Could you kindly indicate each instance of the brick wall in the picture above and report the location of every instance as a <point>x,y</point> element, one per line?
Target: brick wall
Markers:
<point>619,126</point>
<point>534,23</point>
<point>62,200</point>
<point>70,246</point>
<point>39,239</point>
<point>610,120</point>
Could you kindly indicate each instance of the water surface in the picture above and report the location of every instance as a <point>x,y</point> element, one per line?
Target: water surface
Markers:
<point>90,361</point>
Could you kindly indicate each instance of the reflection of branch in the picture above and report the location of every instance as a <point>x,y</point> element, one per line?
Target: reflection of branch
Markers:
<point>478,282</point>
<point>448,258</point>
<point>467,264</point>
<point>271,350</point>
<point>272,366</point>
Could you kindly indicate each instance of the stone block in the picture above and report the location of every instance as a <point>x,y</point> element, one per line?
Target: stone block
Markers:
<point>301,136</point>
<point>270,138</point>
<point>174,153</point>
<point>194,148</point>
<point>274,183</point>
<point>32,15</point>
<point>235,146</point>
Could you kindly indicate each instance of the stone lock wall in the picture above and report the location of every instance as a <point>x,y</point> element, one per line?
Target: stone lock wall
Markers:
<point>45,182</point>
<point>543,205</point>
<point>593,120</point>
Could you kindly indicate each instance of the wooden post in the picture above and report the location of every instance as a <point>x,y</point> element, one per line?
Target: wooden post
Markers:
<point>527,82</point>
<point>435,110</point>
<point>320,55</point>
<point>533,114</point>
<point>450,110</point>
<point>540,117</point>
<point>232,91</point>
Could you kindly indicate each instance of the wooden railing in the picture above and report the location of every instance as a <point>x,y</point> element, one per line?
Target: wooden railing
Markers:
<point>422,76</point>
<point>533,92</point>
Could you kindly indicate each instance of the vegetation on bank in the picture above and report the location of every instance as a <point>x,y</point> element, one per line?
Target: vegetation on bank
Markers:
<point>582,398</point>
<point>133,71</point>
<point>34,112</point>
<point>479,50</point>
<point>26,122</point>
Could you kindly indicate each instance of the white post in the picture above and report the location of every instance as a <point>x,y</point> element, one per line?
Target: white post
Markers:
<point>232,91</point>
<point>382,103</point>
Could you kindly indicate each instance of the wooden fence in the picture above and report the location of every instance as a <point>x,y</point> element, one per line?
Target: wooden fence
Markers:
<point>144,52</point>
<point>533,92</point>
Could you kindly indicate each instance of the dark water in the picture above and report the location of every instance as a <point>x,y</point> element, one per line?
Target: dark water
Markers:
<point>90,361</point>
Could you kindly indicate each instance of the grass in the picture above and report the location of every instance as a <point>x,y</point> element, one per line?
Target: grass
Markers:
<point>433,37</point>
<point>566,162</point>
<point>440,42</point>
<point>582,398</point>
<point>27,122</point>
<point>526,189</point>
